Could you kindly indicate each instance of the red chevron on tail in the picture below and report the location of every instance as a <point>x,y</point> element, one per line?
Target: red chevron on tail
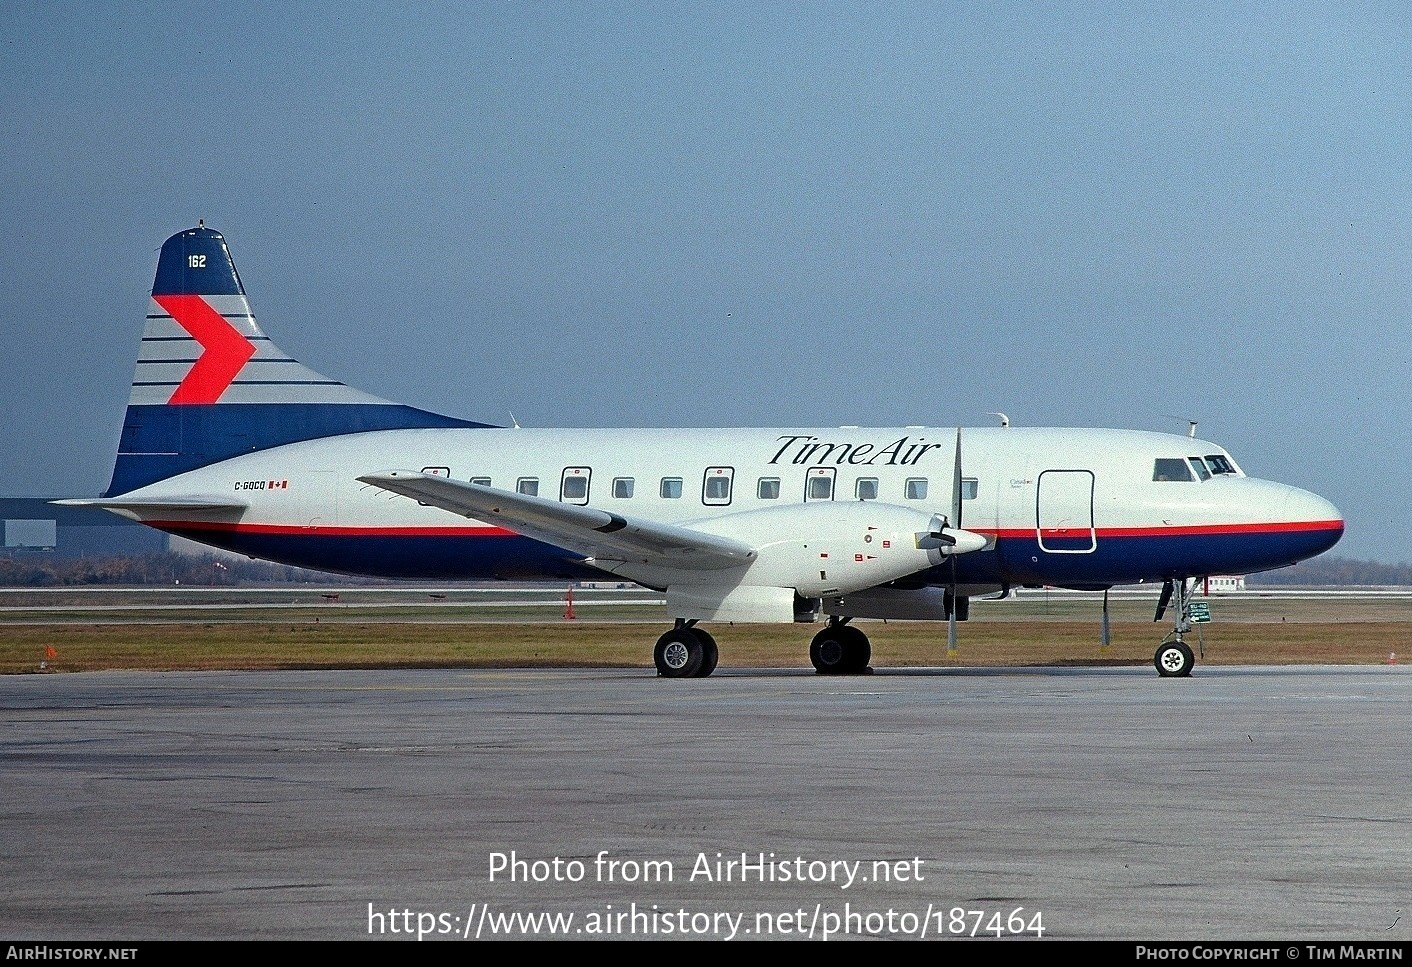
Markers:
<point>224,351</point>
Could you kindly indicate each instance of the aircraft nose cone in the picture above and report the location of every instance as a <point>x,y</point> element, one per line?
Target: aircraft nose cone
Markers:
<point>1322,518</point>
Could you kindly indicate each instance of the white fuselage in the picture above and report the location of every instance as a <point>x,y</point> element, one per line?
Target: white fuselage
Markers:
<point>1062,506</point>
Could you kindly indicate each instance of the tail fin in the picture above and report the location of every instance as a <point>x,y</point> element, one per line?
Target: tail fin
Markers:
<point>210,385</point>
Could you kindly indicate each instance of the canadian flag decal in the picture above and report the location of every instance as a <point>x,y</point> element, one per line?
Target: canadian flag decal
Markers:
<point>224,351</point>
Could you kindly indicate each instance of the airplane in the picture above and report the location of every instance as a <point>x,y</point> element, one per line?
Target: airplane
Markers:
<point>230,442</point>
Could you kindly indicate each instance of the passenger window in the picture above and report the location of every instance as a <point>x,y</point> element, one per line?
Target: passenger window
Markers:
<point>768,488</point>
<point>528,486</point>
<point>1199,466</point>
<point>671,488</point>
<point>866,488</point>
<point>716,486</point>
<point>819,485</point>
<point>915,488</point>
<point>573,488</point>
<point>483,481</point>
<point>622,487</point>
<point>1171,468</point>
<point>970,488</point>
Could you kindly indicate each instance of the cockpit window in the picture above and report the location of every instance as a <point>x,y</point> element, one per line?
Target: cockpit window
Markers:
<point>1199,466</point>
<point>1171,468</point>
<point>1219,464</point>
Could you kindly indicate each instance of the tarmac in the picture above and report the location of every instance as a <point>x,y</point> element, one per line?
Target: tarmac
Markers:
<point>1243,803</point>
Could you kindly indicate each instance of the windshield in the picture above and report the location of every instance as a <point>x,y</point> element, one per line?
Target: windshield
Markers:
<point>1220,464</point>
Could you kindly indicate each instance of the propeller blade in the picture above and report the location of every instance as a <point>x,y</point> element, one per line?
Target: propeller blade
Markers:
<point>956,520</point>
<point>956,483</point>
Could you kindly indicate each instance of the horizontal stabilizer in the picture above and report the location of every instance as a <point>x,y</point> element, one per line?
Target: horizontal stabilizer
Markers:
<point>141,508</point>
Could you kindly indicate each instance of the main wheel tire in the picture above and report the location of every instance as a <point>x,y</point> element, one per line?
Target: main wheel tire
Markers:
<point>828,651</point>
<point>710,654</point>
<point>678,654</point>
<point>1174,659</point>
<point>858,650</point>
<point>840,650</point>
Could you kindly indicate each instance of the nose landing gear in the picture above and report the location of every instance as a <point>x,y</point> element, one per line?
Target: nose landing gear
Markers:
<point>1174,657</point>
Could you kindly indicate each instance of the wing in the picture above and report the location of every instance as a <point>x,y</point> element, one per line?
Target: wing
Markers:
<point>594,533</point>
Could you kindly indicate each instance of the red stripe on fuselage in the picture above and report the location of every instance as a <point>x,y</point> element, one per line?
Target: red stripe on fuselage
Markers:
<point>340,531</point>
<point>1191,530</point>
<point>224,351</point>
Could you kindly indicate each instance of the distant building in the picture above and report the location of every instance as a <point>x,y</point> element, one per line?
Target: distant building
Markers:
<point>1222,582</point>
<point>32,525</point>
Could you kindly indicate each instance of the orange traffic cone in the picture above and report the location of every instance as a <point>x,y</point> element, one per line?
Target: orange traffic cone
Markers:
<point>569,604</point>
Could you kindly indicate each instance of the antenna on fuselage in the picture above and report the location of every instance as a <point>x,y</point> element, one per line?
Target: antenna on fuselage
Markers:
<point>1004,420</point>
<point>513,422</point>
<point>1190,424</point>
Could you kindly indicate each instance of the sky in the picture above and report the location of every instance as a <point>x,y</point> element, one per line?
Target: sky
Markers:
<point>738,214</point>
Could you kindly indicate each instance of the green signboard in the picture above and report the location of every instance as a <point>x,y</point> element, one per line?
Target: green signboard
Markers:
<point>1200,611</point>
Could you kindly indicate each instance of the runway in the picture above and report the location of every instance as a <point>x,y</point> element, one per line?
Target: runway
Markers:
<point>1243,803</point>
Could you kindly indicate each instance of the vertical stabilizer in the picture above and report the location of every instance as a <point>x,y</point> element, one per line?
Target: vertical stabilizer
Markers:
<point>210,385</point>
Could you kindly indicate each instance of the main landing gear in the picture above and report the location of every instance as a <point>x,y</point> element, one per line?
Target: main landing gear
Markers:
<point>685,652</point>
<point>1174,658</point>
<point>689,652</point>
<point>840,649</point>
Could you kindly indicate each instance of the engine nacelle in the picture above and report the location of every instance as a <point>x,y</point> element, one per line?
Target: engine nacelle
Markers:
<point>848,547</point>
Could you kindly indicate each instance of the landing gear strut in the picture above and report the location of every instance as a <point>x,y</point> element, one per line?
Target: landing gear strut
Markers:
<point>1174,658</point>
<point>840,649</point>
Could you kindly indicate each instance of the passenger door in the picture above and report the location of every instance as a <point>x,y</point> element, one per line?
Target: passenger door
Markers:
<point>1064,512</point>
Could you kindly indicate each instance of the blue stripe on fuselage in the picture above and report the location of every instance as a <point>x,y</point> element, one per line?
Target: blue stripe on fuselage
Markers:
<point>1128,559</point>
<point>1015,561</point>
<point>471,558</point>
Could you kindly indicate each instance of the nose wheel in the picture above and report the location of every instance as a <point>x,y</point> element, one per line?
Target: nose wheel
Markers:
<point>1174,659</point>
